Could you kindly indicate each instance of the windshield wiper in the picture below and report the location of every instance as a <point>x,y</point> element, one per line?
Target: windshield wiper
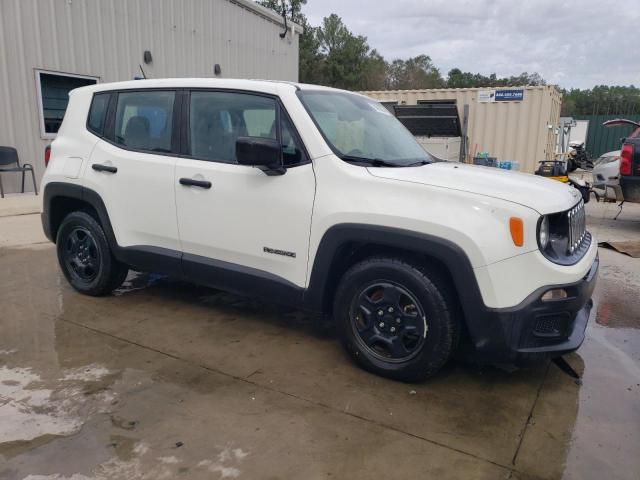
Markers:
<point>417,164</point>
<point>374,162</point>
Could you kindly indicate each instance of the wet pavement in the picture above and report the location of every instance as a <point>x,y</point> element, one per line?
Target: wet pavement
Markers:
<point>168,380</point>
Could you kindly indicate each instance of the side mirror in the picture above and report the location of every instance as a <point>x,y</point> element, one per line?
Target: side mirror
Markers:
<point>264,153</point>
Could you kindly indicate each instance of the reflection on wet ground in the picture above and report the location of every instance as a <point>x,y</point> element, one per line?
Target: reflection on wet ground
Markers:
<point>169,380</point>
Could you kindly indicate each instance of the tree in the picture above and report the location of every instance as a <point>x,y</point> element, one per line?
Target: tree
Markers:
<point>414,73</point>
<point>459,79</point>
<point>348,62</point>
<point>309,55</point>
<point>374,75</point>
<point>601,100</point>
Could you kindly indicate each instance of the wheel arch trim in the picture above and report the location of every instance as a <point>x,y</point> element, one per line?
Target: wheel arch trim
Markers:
<point>74,191</point>
<point>448,253</point>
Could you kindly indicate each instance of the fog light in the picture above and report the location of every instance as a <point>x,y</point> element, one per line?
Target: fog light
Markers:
<point>555,294</point>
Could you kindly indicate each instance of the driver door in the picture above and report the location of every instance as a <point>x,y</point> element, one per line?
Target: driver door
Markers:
<point>235,222</point>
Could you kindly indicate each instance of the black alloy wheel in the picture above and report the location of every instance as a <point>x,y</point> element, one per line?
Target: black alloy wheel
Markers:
<point>389,321</point>
<point>397,317</point>
<point>85,256</point>
<point>81,254</point>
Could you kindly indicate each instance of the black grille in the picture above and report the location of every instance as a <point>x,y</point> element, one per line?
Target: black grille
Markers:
<point>551,326</point>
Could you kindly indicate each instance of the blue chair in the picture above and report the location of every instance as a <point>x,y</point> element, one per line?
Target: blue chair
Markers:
<point>9,157</point>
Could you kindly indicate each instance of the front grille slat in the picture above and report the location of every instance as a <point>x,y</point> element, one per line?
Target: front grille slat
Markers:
<point>571,232</point>
<point>576,226</point>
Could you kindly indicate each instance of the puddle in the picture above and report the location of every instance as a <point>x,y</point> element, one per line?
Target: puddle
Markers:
<point>30,410</point>
<point>138,281</point>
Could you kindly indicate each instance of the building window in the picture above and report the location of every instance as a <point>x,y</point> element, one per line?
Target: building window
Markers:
<point>53,97</point>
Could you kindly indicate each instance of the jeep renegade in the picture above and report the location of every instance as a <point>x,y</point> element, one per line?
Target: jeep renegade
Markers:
<point>318,198</point>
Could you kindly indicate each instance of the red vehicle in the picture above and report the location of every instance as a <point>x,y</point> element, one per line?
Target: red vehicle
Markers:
<point>629,161</point>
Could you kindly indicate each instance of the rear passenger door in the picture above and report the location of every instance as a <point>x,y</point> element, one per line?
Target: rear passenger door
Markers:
<point>132,168</point>
<point>235,218</point>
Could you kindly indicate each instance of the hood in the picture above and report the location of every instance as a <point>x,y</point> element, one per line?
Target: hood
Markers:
<point>541,194</point>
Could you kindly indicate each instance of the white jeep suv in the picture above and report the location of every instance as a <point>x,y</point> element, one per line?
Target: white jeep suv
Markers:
<point>320,199</point>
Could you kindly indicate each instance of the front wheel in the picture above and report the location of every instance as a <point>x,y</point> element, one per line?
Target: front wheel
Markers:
<point>85,257</point>
<point>396,319</point>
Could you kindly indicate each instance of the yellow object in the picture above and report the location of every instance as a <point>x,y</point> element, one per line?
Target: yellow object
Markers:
<point>562,178</point>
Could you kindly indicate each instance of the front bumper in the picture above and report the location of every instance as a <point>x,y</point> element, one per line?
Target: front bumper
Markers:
<point>535,329</point>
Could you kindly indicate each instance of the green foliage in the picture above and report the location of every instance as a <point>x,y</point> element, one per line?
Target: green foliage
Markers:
<point>413,73</point>
<point>343,54</point>
<point>459,79</point>
<point>309,53</point>
<point>601,100</point>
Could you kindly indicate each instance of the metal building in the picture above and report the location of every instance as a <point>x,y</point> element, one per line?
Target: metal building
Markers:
<point>513,123</point>
<point>601,139</point>
<point>50,47</point>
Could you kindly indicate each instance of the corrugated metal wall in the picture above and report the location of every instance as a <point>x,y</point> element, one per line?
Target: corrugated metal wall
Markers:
<point>507,130</point>
<point>107,38</point>
<point>601,139</point>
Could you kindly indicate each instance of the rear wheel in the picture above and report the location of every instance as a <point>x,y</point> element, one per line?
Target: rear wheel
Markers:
<point>396,319</point>
<point>85,257</point>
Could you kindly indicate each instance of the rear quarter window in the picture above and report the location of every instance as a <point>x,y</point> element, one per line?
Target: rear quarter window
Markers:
<point>98,113</point>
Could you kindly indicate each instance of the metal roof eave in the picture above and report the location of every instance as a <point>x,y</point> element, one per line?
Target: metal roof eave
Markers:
<point>268,14</point>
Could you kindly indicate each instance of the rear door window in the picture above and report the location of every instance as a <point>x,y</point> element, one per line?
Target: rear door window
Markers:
<point>143,120</point>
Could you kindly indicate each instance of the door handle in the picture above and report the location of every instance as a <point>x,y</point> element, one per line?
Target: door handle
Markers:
<point>99,167</point>
<point>190,182</point>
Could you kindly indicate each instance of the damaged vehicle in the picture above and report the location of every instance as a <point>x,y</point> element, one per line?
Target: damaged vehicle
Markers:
<point>319,199</point>
<point>616,174</point>
<point>606,176</point>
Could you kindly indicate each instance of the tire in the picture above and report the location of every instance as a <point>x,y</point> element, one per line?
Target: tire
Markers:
<point>404,298</point>
<point>85,257</point>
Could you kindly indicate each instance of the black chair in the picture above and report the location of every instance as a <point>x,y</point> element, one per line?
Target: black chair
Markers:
<point>9,156</point>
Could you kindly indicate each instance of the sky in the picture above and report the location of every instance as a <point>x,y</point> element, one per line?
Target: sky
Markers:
<point>570,43</point>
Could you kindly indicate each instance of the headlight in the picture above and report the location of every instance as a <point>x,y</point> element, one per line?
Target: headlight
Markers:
<point>543,233</point>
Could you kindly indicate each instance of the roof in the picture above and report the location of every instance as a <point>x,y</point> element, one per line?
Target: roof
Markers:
<point>267,13</point>
<point>266,86</point>
<point>426,90</point>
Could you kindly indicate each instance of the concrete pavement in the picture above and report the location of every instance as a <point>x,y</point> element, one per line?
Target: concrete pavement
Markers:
<point>168,380</point>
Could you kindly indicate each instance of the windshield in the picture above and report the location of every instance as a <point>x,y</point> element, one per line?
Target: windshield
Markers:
<point>362,130</point>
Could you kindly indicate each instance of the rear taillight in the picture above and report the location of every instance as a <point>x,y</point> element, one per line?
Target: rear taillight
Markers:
<point>626,159</point>
<point>47,155</point>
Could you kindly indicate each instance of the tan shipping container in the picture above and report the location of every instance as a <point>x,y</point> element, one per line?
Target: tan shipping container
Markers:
<point>523,131</point>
